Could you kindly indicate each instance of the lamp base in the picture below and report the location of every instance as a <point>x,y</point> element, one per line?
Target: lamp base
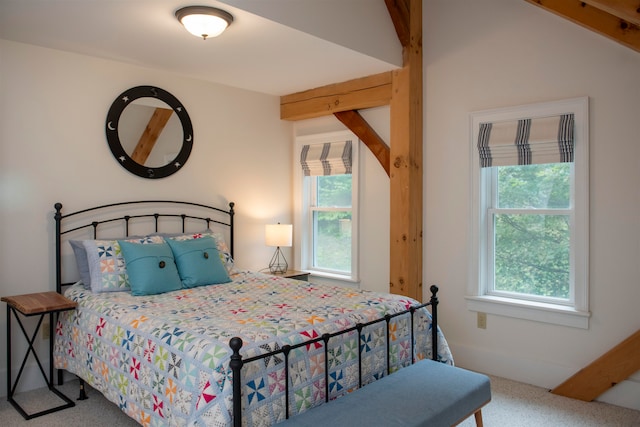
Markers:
<point>278,264</point>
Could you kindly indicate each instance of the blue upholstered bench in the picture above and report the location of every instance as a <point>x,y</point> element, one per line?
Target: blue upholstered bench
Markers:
<point>426,393</point>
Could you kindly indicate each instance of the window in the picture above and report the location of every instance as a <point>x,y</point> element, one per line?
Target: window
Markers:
<point>330,215</point>
<point>529,216</point>
<point>530,212</point>
<point>327,196</point>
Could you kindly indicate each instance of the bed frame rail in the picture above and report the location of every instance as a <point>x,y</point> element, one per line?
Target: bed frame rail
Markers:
<point>237,361</point>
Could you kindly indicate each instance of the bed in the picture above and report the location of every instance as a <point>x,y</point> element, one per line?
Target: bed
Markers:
<point>247,349</point>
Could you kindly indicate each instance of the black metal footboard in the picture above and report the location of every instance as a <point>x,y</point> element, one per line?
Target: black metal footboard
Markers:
<point>237,361</point>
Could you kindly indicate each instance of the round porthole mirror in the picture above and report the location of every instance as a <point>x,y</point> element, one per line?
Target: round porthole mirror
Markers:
<point>149,132</point>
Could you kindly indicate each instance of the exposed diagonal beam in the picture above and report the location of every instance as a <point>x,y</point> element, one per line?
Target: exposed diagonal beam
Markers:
<point>148,139</point>
<point>359,126</point>
<point>399,13</point>
<point>366,92</point>
<point>595,19</point>
<point>614,366</point>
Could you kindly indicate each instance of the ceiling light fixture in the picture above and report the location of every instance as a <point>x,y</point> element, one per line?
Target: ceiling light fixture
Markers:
<point>204,21</point>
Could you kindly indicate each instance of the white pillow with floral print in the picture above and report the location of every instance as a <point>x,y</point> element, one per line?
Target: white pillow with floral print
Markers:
<point>107,268</point>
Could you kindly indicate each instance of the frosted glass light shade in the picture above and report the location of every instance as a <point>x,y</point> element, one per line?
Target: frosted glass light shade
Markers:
<point>204,21</point>
<point>278,235</point>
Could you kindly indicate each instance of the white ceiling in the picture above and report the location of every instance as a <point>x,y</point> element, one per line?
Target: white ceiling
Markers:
<point>273,46</point>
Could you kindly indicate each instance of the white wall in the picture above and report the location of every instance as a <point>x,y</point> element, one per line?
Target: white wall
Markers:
<point>496,53</point>
<point>53,107</point>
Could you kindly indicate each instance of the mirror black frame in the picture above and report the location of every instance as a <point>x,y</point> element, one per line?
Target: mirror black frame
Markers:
<point>111,127</point>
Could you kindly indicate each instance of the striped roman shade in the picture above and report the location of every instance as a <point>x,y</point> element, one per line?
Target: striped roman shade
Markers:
<point>330,158</point>
<point>526,141</point>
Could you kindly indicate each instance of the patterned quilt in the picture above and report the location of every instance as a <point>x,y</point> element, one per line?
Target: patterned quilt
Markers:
<point>164,359</point>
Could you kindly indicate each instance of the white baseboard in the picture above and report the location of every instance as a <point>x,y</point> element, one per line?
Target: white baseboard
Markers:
<point>625,394</point>
<point>539,373</point>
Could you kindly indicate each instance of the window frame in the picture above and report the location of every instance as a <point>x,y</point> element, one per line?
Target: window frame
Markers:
<point>303,209</point>
<point>575,312</point>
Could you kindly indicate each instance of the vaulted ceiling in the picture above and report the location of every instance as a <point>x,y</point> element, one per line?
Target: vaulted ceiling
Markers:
<point>277,47</point>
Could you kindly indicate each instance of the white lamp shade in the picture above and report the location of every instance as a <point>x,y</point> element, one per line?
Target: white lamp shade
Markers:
<point>203,21</point>
<point>278,235</point>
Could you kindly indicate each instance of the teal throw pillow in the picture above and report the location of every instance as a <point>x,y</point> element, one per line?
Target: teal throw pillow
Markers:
<point>221,245</point>
<point>151,268</point>
<point>198,262</point>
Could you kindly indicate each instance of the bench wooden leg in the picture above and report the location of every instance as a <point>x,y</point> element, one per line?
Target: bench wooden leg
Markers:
<point>478,416</point>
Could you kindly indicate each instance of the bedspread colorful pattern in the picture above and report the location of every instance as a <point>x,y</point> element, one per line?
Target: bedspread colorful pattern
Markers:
<point>164,359</point>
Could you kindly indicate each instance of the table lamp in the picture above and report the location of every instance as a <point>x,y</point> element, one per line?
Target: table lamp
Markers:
<point>278,235</point>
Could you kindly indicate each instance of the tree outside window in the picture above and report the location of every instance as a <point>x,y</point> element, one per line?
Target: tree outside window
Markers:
<point>531,223</point>
<point>332,223</point>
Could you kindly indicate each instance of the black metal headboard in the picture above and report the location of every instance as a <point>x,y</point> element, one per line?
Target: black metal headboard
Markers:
<point>147,210</point>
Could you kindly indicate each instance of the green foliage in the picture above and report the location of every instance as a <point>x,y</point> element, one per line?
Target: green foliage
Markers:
<point>334,191</point>
<point>333,241</point>
<point>332,245</point>
<point>534,186</point>
<point>532,254</point>
<point>532,250</point>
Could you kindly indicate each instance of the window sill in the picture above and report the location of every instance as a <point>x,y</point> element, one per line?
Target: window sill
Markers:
<point>333,279</point>
<point>334,276</point>
<point>529,310</point>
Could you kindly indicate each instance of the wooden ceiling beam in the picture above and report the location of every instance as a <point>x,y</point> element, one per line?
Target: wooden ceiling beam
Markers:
<point>629,10</point>
<point>357,94</point>
<point>609,18</point>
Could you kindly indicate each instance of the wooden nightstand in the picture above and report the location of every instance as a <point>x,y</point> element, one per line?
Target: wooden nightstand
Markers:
<point>294,274</point>
<point>40,303</point>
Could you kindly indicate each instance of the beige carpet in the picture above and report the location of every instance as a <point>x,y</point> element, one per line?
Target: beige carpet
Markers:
<point>513,405</point>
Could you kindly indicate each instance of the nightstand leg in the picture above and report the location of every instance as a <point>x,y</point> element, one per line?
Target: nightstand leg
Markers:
<point>29,350</point>
<point>51,337</point>
<point>9,394</point>
<point>11,388</point>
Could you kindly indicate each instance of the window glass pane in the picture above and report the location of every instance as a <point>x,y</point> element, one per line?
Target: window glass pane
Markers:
<point>332,240</point>
<point>334,191</point>
<point>545,186</point>
<point>532,254</point>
